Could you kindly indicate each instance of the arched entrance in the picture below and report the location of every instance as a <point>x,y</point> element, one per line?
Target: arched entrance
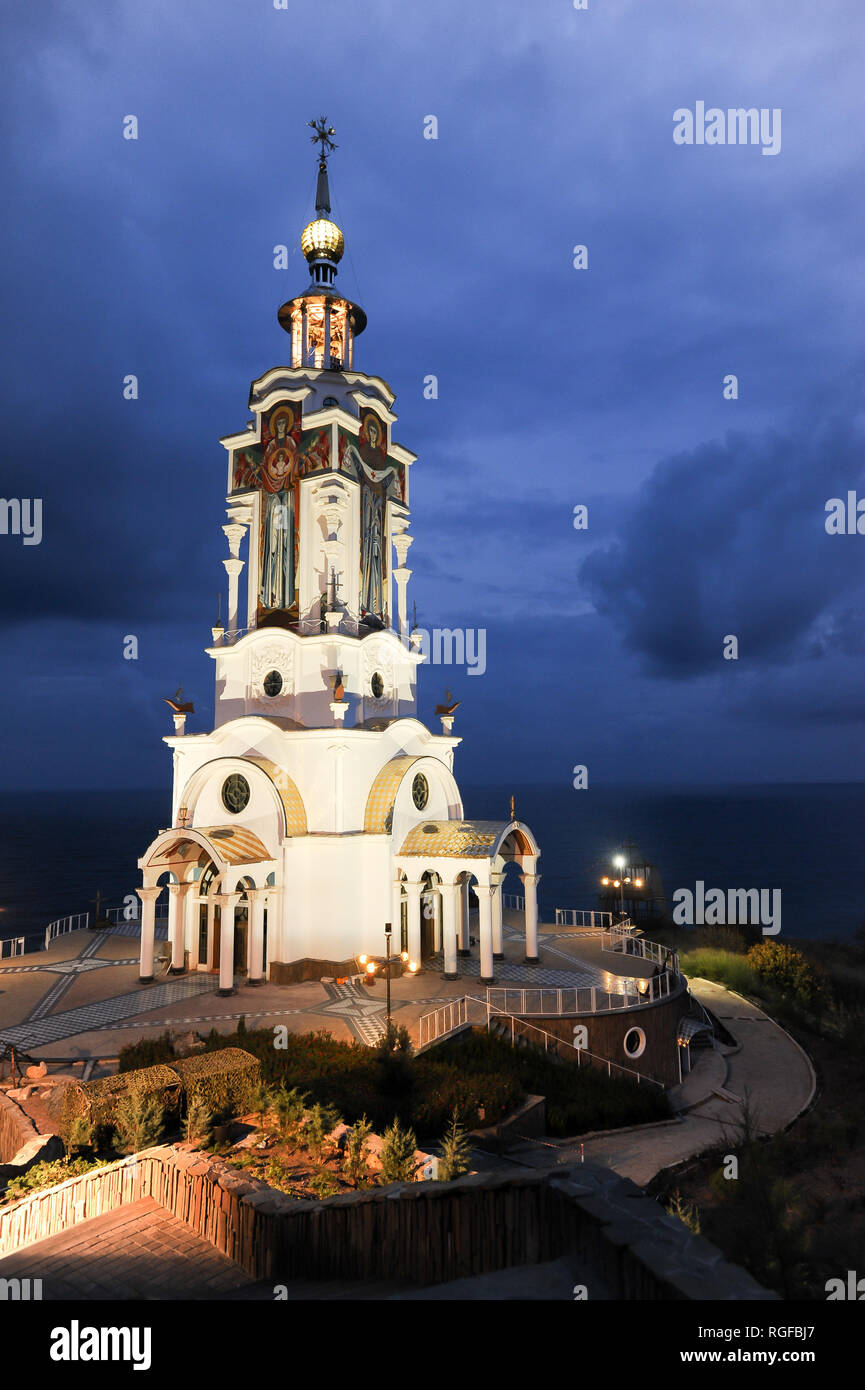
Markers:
<point>241,928</point>
<point>431,915</point>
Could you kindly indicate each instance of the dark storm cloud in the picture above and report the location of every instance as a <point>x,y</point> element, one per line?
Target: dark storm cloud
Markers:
<point>730,539</point>
<point>555,387</point>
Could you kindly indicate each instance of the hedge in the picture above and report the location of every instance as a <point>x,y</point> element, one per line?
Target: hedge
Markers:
<point>223,1080</point>
<point>96,1100</point>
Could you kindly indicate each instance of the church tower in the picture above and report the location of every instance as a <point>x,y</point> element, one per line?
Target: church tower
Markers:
<point>291,839</point>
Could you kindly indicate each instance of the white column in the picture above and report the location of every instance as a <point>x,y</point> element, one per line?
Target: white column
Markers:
<point>148,898</point>
<point>255,953</point>
<point>228,903</point>
<point>498,940</point>
<point>396,910</point>
<point>484,893</point>
<point>463,944</point>
<point>303,336</point>
<point>530,884</point>
<point>437,919</point>
<point>177,925</point>
<point>413,892</point>
<point>193,916</point>
<point>326,362</point>
<point>233,569</point>
<point>450,892</point>
<point>211,927</point>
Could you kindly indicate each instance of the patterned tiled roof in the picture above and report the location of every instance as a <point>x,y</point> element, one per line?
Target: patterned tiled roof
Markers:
<point>454,839</point>
<point>382,793</point>
<point>233,844</point>
<point>292,801</point>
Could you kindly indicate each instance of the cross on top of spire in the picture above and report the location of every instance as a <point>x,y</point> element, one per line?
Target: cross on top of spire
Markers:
<point>322,135</point>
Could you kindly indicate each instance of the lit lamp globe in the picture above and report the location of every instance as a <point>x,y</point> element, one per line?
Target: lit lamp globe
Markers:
<point>322,240</point>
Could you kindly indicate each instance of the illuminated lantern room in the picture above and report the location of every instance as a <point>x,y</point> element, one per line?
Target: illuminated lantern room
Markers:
<point>321,324</point>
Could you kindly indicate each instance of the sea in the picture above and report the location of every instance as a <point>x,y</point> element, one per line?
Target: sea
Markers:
<point>57,849</point>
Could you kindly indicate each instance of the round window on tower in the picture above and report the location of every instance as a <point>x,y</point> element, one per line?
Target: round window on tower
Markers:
<point>272,684</point>
<point>329,400</point>
<point>376,685</point>
<point>235,793</point>
<point>420,791</point>
<point>635,1042</point>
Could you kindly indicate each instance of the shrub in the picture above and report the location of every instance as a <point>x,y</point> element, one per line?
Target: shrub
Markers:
<point>455,1151</point>
<point>139,1119</point>
<point>199,1121</point>
<point>356,1147</point>
<point>261,1101</point>
<point>397,1154</point>
<point>146,1053</point>
<point>289,1107</point>
<point>687,1212</point>
<point>47,1174</point>
<point>97,1101</point>
<point>321,1121</point>
<point>79,1135</point>
<point>392,1055</point>
<point>224,1080</point>
<point>790,973</point>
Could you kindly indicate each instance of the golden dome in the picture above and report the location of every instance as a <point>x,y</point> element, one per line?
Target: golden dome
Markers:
<point>322,238</point>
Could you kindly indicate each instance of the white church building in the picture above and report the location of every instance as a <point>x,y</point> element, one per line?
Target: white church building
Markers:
<point>319,807</point>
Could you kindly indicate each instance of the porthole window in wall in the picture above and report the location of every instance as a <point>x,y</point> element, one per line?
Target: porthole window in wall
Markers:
<point>420,791</point>
<point>635,1042</point>
<point>235,793</point>
<point>376,685</point>
<point>272,683</point>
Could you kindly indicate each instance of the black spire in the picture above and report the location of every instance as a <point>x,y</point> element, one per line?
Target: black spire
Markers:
<point>322,136</point>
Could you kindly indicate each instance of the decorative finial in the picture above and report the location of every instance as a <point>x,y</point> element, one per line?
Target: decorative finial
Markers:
<point>322,135</point>
<point>513,809</point>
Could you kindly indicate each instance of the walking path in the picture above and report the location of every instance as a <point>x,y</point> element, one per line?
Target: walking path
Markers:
<point>768,1067</point>
<point>136,1252</point>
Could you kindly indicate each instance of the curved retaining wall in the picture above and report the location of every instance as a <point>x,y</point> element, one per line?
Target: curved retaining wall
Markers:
<point>658,1021</point>
<point>424,1233</point>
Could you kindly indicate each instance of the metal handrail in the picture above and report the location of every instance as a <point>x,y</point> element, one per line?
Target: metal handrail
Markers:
<point>576,917</point>
<point>441,1022</point>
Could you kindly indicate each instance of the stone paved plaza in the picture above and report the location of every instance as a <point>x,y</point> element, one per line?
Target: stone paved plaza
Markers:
<point>82,997</point>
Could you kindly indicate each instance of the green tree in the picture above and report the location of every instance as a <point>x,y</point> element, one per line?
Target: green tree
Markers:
<point>139,1120</point>
<point>80,1136</point>
<point>199,1120</point>
<point>395,1070</point>
<point>356,1151</point>
<point>321,1121</point>
<point>261,1101</point>
<point>289,1107</point>
<point>455,1150</point>
<point>397,1154</point>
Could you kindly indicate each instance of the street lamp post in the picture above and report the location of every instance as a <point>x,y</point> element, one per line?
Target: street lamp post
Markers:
<point>620,882</point>
<point>373,963</point>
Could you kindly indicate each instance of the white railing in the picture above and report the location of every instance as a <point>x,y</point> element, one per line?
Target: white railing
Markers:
<point>444,1021</point>
<point>573,917</point>
<point>12,946</point>
<point>513,902</point>
<point>447,1019</point>
<point>518,1027</point>
<point>619,938</point>
<point>79,921</point>
<point>118,914</point>
<point>586,999</point>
